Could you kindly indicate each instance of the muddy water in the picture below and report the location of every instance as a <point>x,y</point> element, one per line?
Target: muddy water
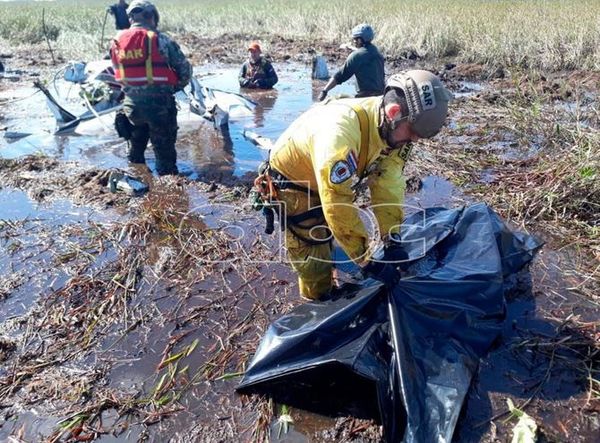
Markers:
<point>34,238</point>
<point>204,151</point>
<point>95,142</point>
<point>28,257</point>
<point>468,89</point>
<point>219,154</point>
<point>213,411</point>
<point>525,367</point>
<point>434,191</point>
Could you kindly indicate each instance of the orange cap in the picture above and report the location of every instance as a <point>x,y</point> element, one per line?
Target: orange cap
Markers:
<point>254,46</point>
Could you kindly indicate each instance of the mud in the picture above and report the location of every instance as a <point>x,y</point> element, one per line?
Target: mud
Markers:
<point>46,178</point>
<point>131,319</point>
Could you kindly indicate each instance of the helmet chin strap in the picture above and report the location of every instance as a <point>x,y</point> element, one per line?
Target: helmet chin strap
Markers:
<point>387,127</point>
<point>399,145</point>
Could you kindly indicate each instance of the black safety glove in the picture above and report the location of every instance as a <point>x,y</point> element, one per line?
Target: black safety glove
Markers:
<point>245,83</point>
<point>322,95</point>
<point>384,272</point>
<point>393,250</point>
<point>386,261</point>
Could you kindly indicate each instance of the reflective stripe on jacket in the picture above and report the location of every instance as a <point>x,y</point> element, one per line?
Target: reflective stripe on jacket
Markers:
<point>137,60</point>
<point>262,72</point>
<point>321,150</point>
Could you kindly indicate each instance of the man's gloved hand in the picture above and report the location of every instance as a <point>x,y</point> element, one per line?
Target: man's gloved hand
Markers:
<point>384,272</point>
<point>385,261</point>
<point>255,84</point>
<point>393,250</point>
<point>245,83</point>
<point>322,95</point>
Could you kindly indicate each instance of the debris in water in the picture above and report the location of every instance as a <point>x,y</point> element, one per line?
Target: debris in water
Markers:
<point>319,68</point>
<point>14,135</point>
<point>117,181</point>
<point>525,430</point>
<point>284,421</point>
<point>260,141</point>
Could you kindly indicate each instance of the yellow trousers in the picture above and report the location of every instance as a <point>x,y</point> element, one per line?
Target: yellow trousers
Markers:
<point>309,251</point>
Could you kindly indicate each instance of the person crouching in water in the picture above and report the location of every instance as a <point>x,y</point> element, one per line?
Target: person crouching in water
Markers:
<point>257,72</point>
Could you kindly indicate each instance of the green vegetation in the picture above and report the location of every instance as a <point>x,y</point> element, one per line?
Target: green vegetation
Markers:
<point>542,157</point>
<point>562,183</point>
<point>547,34</point>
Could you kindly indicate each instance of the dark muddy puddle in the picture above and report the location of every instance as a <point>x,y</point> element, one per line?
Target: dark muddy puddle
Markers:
<point>467,89</point>
<point>204,152</point>
<point>212,314</point>
<point>541,361</point>
<point>434,191</point>
<point>35,240</point>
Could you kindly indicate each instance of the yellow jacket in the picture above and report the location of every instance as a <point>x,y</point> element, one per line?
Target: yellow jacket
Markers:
<point>320,150</point>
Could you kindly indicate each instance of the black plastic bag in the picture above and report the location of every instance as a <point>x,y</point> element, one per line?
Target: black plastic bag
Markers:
<point>410,353</point>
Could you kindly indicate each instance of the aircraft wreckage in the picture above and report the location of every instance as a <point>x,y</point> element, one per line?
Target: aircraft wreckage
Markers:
<point>102,95</point>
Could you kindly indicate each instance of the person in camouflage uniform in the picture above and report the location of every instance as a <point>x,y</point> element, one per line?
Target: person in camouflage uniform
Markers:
<point>151,68</point>
<point>257,72</point>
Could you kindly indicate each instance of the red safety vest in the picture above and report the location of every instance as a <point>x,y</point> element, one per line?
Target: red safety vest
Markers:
<point>137,60</point>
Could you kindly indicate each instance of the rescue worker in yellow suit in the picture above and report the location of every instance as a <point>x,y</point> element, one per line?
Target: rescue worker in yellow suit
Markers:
<point>313,165</point>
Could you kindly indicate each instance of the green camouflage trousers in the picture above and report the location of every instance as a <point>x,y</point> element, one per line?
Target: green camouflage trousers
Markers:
<point>154,118</point>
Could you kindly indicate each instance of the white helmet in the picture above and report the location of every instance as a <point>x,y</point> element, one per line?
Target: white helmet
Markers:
<point>427,100</point>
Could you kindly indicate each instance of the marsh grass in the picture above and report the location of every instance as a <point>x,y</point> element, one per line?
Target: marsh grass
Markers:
<point>551,35</point>
<point>105,301</point>
<point>562,183</point>
<point>551,183</point>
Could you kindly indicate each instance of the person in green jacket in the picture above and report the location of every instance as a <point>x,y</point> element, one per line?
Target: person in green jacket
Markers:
<point>257,71</point>
<point>365,62</point>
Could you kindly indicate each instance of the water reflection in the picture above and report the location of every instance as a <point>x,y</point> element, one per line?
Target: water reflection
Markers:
<point>211,153</point>
<point>202,150</point>
<point>276,109</point>
<point>265,100</point>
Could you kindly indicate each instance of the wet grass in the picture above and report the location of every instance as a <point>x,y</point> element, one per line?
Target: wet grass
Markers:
<point>574,348</point>
<point>562,183</point>
<point>500,33</point>
<point>551,182</point>
<point>71,323</point>
<point>212,334</point>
